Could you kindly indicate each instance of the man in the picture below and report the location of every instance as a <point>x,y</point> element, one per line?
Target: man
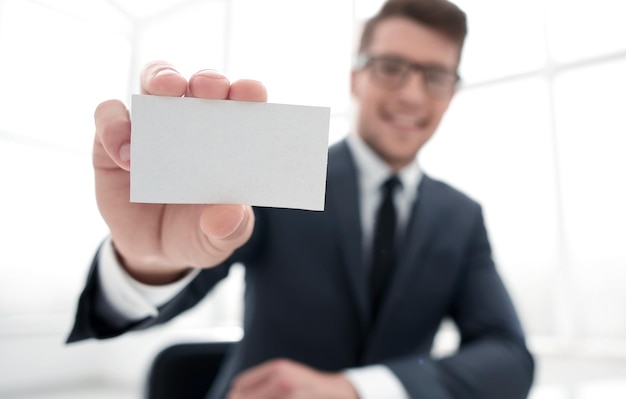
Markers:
<point>335,307</point>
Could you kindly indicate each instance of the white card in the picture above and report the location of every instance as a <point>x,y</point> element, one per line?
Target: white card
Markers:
<point>198,151</point>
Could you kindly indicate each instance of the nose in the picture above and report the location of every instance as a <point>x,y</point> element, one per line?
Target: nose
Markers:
<point>414,88</point>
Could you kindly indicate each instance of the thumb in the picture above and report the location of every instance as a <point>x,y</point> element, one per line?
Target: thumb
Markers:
<point>227,227</point>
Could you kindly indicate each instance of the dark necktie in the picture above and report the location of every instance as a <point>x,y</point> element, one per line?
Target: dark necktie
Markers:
<point>383,256</point>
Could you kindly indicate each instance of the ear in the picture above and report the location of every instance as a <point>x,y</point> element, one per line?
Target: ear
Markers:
<point>353,82</point>
<point>452,96</point>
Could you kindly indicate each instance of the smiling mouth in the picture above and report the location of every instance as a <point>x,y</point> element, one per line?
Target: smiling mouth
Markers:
<point>404,121</point>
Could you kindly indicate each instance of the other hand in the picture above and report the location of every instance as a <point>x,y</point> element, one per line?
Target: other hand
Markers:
<point>285,379</point>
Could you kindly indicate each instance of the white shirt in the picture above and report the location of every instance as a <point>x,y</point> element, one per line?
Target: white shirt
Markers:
<point>135,300</point>
<point>372,173</point>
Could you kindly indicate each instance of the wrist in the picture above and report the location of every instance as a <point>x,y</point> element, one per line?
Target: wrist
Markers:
<point>149,271</point>
<point>343,387</point>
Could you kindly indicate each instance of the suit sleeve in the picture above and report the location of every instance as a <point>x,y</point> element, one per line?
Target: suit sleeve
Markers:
<point>492,361</point>
<point>97,318</point>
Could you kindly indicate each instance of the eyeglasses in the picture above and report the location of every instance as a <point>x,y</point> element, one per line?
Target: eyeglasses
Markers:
<point>392,72</point>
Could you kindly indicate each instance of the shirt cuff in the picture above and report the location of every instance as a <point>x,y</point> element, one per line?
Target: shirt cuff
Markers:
<point>376,382</point>
<point>131,298</point>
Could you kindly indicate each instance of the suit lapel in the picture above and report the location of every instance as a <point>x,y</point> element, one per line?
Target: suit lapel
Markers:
<point>343,201</point>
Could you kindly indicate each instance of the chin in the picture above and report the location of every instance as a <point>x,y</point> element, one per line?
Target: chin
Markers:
<point>404,148</point>
<point>399,156</point>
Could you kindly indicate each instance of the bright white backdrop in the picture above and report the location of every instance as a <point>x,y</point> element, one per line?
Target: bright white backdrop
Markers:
<point>536,134</point>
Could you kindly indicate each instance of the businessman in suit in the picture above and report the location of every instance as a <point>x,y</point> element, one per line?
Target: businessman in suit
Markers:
<point>343,303</point>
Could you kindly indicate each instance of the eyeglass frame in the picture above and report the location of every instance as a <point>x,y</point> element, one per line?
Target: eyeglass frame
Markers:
<point>364,60</point>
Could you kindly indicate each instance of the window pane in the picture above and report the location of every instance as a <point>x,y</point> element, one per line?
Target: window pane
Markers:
<point>495,144</point>
<point>51,82</point>
<point>101,14</point>
<point>505,37</point>
<point>592,138</point>
<point>50,226</point>
<point>364,9</point>
<point>303,59</point>
<point>581,29</point>
<point>57,66</point>
<point>140,9</point>
<point>339,128</point>
<point>192,37</point>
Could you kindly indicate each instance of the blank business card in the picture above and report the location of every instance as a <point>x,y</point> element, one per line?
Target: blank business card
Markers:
<point>198,151</point>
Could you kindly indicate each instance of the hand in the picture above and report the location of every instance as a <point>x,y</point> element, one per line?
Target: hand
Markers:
<point>285,379</point>
<point>159,243</point>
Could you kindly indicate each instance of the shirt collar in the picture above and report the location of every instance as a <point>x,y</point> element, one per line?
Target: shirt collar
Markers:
<point>373,171</point>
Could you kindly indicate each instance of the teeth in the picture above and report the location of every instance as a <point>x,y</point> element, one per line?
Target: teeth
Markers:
<point>404,121</point>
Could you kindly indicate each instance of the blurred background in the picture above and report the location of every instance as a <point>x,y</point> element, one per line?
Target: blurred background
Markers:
<point>536,134</point>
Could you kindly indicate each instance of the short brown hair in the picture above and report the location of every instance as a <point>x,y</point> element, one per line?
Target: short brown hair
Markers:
<point>441,15</point>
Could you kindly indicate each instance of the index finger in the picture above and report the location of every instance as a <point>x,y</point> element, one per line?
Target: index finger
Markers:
<point>247,90</point>
<point>162,79</point>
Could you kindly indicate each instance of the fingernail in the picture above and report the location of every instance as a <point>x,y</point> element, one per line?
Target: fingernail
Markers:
<point>210,73</point>
<point>125,152</point>
<point>165,72</point>
<point>237,221</point>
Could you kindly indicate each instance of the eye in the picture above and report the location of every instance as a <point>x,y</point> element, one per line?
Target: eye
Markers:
<point>440,77</point>
<point>389,68</point>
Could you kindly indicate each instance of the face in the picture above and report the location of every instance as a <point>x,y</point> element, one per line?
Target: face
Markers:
<point>396,123</point>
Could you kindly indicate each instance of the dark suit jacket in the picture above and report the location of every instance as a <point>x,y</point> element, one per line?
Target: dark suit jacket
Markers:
<point>306,296</point>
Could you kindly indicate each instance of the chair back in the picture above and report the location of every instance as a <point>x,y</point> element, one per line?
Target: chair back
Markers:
<point>185,370</point>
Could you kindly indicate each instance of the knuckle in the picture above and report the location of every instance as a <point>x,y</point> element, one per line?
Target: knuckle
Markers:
<point>115,128</point>
<point>280,363</point>
<point>284,386</point>
<point>106,106</point>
